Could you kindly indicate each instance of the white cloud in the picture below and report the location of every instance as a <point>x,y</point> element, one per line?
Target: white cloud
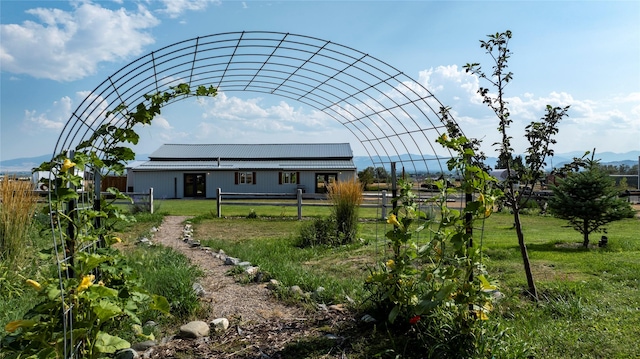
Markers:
<point>161,123</point>
<point>609,123</point>
<point>436,79</point>
<point>175,8</point>
<point>254,114</point>
<point>66,46</point>
<point>53,119</point>
<point>60,111</point>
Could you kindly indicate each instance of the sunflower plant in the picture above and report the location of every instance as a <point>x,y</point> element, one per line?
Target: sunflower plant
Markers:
<point>433,279</point>
<point>393,282</point>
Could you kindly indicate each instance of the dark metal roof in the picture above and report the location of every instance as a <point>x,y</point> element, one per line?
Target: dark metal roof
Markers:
<point>324,165</point>
<point>301,151</point>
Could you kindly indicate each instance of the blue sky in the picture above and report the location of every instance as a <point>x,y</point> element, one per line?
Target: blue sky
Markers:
<point>580,53</point>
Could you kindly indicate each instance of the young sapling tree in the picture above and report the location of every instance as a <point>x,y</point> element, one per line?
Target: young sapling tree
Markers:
<point>539,134</point>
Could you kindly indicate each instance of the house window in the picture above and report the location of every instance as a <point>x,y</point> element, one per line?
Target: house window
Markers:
<point>324,180</point>
<point>289,177</point>
<point>195,185</point>
<point>245,178</point>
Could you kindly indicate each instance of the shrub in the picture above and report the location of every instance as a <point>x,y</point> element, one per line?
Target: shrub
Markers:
<point>346,197</point>
<point>321,231</point>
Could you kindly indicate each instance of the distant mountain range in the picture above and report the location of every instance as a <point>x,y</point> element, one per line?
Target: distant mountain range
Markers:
<point>610,158</point>
<point>25,164</point>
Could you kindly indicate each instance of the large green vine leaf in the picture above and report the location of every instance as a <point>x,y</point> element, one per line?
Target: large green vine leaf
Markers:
<point>106,310</point>
<point>106,343</point>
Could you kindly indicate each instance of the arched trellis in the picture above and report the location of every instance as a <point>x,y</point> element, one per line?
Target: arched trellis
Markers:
<point>386,111</point>
<point>395,118</point>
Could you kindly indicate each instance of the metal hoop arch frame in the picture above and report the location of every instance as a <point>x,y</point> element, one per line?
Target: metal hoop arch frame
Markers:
<point>389,113</point>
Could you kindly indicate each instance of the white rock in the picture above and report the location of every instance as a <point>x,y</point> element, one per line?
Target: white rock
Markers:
<point>368,319</point>
<point>193,243</point>
<point>142,346</point>
<point>273,284</point>
<point>126,354</point>
<point>220,324</point>
<point>199,289</point>
<point>296,290</point>
<point>195,329</point>
<point>150,324</point>
<point>251,270</point>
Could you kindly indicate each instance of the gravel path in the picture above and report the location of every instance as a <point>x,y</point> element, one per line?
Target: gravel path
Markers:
<point>228,299</point>
<point>260,326</point>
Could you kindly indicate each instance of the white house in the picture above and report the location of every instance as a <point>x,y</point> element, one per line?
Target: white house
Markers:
<point>197,170</point>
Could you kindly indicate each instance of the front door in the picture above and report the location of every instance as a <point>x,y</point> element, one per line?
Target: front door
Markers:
<point>323,180</point>
<point>195,185</point>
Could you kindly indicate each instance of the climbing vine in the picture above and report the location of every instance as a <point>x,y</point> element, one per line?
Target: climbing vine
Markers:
<point>95,288</point>
<point>439,285</point>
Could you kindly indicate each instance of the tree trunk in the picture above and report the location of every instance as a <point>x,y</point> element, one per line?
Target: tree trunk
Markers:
<point>533,292</point>
<point>585,232</point>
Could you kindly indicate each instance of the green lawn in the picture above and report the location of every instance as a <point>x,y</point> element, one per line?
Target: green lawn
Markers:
<point>590,300</point>
<point>207,207</point>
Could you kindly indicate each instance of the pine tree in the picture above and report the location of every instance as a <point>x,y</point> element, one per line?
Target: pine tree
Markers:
<point>588,200</point>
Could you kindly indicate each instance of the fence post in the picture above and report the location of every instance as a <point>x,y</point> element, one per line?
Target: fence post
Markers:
<point>151,200</point>
<point>384,204</point>
<point>394,185</point>
<point>219,201</point>
<point>97,186</point>
<point>70,242</point>
<point>299,194</point>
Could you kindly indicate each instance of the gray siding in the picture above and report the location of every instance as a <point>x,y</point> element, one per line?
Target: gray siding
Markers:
<point>170,184</point>
<point>162,183</point>
<point>166,169</point>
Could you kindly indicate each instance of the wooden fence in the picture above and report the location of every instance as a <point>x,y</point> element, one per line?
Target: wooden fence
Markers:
<point>371,200</point>
<point>142,200</point>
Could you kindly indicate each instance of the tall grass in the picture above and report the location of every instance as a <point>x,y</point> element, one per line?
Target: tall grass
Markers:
<point>18,204</point>
<point>172,277</point>
<point>346,197</point>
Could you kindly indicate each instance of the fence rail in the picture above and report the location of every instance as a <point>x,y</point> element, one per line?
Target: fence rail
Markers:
<point>234,198</point>
<point>142,199</point>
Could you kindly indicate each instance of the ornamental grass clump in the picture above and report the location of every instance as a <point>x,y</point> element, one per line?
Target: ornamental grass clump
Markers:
<point>346,197</point>
<point>18,206</point>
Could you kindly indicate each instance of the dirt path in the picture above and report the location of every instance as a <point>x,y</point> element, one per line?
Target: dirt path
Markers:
<point>228,299</point>
<point>260,326</point>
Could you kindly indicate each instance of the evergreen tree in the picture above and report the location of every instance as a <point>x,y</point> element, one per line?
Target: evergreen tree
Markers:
<point>589,200</point>
<point>381,174</point>
<point>366,176</point>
